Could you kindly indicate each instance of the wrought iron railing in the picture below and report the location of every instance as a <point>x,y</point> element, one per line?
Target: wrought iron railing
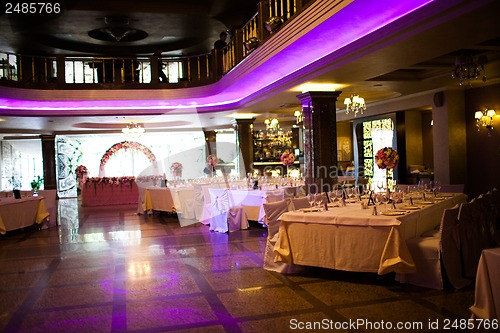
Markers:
<point>67,72</point>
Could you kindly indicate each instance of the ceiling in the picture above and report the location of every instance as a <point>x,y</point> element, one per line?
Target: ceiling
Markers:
<point>124,27</point>
<point>418,63</point>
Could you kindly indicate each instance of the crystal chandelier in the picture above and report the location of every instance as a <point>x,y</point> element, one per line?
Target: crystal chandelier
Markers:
<point>133,130</point>
<point>466,68</point>
<point>355,104</point>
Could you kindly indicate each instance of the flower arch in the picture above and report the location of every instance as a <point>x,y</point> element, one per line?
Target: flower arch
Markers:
<point>126,145</point>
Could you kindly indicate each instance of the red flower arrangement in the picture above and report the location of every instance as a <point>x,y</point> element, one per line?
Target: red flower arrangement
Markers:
<point>81,171</point>
<point>387,158</point>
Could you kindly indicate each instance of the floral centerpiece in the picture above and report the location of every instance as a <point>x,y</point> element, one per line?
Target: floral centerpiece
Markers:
<point>176,169</point>
<point>212,161</point>
<point>81,171</point>
<point>287,159</point>
<point>116,181</point>
<point>387,158</point>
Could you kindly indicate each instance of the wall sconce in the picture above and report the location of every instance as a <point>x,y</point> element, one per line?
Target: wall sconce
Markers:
<point>273,24</point>
<point>354,104</point>
<point>298,116</point>
<point>251,43</point>
<point>484,118</point>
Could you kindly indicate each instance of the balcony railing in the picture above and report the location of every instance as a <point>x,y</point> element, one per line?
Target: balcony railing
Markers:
<point>70,72</point>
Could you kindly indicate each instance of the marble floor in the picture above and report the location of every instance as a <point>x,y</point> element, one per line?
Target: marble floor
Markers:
<point>111,270</point>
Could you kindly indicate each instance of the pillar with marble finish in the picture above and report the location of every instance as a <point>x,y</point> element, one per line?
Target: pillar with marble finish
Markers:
<point>320,139</point>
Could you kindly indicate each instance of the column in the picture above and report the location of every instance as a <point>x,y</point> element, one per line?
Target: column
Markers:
<point>244,142</point>
<point>320,139</point>
<point>49,161</point>
<point>449,138</point>
<point>211,142</point>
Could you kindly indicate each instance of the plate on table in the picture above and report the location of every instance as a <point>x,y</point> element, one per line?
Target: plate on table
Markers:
<point>333,205</point>
<point>424,202</point>
<point>393,213</point>
<point>411,207</point>
<point>312,209</point>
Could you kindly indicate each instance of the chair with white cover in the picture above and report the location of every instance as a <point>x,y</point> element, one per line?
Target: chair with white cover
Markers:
<point>470,238</point>
<point>300,202</point>
<point>207,205</point>
<point>224,216</point>
<point>432,254</point>
<point>487,212</point>
<point>289,192</point>
<point>301,191</point>
<point>198,201</point>
<point>273,212</point>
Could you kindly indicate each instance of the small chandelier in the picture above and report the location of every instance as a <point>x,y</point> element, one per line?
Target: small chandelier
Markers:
<point>466,68</point>
<point>272,124</point>
<point>133,130</point>
<point>355,104</point>
<point>298,116</point>
<point>484,118</point>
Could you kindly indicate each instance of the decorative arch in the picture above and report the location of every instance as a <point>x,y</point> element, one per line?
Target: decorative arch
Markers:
<point>126,145</point>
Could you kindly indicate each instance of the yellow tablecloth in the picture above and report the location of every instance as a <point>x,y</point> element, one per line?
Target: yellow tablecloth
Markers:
<point>350,238</point>
<point>20,213</point>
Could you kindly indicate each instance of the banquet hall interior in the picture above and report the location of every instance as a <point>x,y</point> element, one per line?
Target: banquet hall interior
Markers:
<point>333,167</point>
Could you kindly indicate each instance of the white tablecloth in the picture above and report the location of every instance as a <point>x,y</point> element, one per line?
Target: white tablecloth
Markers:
<point>350,238</point>
<point>20,213</point>
<point>487,296</point>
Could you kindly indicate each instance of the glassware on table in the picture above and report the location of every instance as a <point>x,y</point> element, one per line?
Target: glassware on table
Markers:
<point>438,185</point>
<point>319,200</point>
<point>311,198</point>
<point>383,199</point>
<point>332,196</point>
<point>380,186</point>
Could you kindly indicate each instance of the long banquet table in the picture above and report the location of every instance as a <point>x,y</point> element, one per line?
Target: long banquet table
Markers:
<point>95,194</point>
<point>169,199</point>
<point>352,239</point>
<point>20,213</point>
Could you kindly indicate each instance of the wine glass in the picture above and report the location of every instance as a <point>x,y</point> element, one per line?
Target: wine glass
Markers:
<point>383,199</point>
<point>437,185</point>
<point>311,199</point>
<point>319,200</point>
<point>380,186</point>
<point>332,196</point>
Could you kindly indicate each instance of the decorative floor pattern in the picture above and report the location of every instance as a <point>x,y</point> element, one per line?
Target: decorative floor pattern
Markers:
<point>110,270</point>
